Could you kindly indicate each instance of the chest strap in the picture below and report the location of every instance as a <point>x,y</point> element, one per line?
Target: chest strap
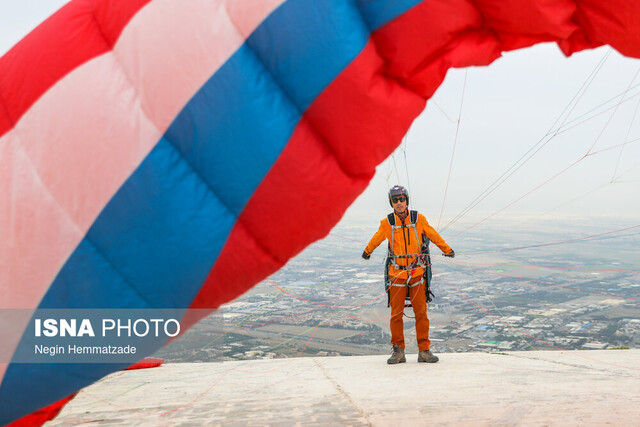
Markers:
<point>419,262</point>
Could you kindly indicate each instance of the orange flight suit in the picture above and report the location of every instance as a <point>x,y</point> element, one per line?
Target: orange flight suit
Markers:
<point>405,243</point>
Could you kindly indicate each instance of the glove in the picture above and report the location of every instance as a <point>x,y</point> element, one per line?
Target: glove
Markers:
<point>451,254</point>
<point>365,255</point>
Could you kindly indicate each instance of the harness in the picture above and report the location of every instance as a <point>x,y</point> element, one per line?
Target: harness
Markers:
<point>422,259</point>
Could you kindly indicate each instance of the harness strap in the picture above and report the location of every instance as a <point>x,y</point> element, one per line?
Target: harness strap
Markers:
<point>402,285</point>
<point>413,218</point>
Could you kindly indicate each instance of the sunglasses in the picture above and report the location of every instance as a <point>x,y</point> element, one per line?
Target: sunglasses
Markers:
<point>399,199</point>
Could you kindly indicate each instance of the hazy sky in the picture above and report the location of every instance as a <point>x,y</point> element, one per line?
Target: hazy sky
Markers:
<point>507,108</point>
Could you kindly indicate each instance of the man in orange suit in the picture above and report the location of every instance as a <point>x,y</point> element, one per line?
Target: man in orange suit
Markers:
<point>406,232</point>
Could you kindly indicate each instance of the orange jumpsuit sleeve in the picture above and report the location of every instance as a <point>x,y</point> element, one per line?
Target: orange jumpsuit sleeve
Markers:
<point>379,237</point>
<point>432,234</point>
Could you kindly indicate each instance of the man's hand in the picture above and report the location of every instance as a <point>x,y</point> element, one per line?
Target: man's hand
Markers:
<point>365,255</point>
<point>451,254</point>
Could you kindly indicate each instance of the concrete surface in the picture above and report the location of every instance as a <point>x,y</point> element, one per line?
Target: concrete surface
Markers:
<point>518,388</point>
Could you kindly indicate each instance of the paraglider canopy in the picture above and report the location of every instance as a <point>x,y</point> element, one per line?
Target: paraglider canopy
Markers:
<point>148,148</point>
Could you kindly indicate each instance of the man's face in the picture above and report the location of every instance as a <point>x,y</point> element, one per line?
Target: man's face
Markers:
<point>399,204</point>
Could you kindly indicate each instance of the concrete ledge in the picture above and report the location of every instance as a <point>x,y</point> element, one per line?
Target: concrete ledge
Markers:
<point>518,388</point>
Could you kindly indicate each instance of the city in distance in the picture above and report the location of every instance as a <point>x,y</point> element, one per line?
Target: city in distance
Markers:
<point>561,284</point>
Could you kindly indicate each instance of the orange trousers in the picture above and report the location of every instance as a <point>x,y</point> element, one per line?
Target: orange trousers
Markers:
<point>397,295</point>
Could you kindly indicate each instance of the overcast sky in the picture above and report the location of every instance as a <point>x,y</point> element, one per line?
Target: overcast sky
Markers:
<point>506,109</point>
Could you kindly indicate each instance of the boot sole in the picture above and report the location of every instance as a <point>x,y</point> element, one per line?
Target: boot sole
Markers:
<point>428,360</point>
<point>395,362</point>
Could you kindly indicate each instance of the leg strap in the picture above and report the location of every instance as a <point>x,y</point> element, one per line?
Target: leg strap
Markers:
<point>421,281</point>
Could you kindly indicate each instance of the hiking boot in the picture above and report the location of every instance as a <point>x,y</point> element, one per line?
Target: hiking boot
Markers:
<point>427,356</point>
<point>397,356</point>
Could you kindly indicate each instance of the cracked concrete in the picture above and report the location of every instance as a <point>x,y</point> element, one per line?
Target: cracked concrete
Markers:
<point>518,388</point>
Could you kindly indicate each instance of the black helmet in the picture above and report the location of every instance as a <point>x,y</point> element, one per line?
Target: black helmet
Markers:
<point>398,190</point>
